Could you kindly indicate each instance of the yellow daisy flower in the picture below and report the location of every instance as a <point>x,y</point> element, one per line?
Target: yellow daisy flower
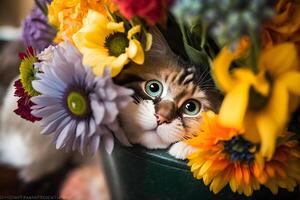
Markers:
<point>260,103</point>
<point>223,157</point>
<point>67,15</point>
<point>105,43</point>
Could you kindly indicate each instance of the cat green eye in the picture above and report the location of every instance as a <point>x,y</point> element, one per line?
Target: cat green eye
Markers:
<point>191,107</point>
<point>154,88</point>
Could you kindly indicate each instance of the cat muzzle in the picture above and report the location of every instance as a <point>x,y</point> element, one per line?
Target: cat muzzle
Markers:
<point>161,119</point>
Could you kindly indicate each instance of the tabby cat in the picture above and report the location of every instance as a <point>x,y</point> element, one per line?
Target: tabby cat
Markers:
<point>169,98</point>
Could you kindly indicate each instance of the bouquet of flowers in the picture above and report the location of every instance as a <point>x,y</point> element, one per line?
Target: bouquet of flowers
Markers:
<point>77,47</point>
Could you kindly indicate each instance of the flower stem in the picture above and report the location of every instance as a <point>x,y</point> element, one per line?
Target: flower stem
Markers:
<point>254,51</point>
<point>203,36</point>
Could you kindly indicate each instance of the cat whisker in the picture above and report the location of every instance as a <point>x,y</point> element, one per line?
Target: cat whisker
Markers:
<point>204,78</point>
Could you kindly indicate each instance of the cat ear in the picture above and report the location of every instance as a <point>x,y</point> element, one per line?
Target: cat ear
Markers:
<point>160,47</point>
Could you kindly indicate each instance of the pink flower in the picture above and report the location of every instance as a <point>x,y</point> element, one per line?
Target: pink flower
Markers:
<point>151,11</point>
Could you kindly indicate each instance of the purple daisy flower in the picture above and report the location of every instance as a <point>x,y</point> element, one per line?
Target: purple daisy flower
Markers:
<point>36,30</point>
<point>76,107</point>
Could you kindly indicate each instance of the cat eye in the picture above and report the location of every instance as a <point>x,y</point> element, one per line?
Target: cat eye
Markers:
<point>191,107</point>
<point>154,88</point>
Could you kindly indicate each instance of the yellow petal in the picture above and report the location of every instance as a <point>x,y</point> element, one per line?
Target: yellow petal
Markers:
<point>218,184</point>
<point>95,58</point>
<point>118,64</point>
<point>133,31</point>
<point>277,107</point>
<point>220,69</point>
<point>135,52</point>
<point>292,81</point>
<point>248,190</point>
<point>261,84</point>
<point>79,39</point>
<point>245,75</point>
<point>268,131</point>
<point>118,27</point>
<point>234,106</point>
<point>259,81</point>
<point>233,184</point>
<point>149,40</point>
<point>95,18</point>
<point>205,167</point>
<point>132,49</point>
<point>207,179</point>
<point>196,166</point>
<point>280,59</point>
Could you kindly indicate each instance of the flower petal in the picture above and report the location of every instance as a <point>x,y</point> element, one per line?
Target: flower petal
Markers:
<point>63,136</point>
<point>277,107</point>
<point>53,125</point>
<point>268,132</point>
<point>98,111</point>
<point>111,112</point>
<point>234,106</point>
<point>134,30</point>
<point>132,49</point>
<point>291,81</point>
<point>43,88</point>
<point>92,127</point>
<point>136,52</point>
<point>275,59</point>
<point>118,27</point>
<point>118,64</point>
<point>80,128</point>
<point>220,69</point>
<point>149,40</point>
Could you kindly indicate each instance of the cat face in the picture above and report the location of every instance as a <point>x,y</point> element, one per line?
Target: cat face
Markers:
<point>168,101</point>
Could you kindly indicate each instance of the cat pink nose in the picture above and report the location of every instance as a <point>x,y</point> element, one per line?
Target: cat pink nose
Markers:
<point>161,119</point>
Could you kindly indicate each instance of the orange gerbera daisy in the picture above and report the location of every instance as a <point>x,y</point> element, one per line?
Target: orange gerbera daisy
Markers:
<point>224,157</point>
<point>283,170</point>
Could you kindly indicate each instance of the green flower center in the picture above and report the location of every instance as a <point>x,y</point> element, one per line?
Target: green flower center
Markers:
<point>78,104</point>
<point>116,43</point>
<point>27,75</point>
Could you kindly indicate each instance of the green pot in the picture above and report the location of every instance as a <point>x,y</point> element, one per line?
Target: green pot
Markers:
<point>141,174</point>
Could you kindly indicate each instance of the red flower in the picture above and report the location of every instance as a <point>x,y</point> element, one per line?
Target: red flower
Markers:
<point>149,10</point>
<point>24,103</point>
<point>29,52</point>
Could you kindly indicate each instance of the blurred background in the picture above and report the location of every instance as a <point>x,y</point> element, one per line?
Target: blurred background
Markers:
<point>12,13</point>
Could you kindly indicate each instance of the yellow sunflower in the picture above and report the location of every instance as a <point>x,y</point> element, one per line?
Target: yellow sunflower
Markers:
<point>223,157</point>
<point>260,103</point>
<point>105,43</point>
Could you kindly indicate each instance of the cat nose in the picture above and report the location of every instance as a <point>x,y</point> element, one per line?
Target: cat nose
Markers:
<point>161,119</point>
